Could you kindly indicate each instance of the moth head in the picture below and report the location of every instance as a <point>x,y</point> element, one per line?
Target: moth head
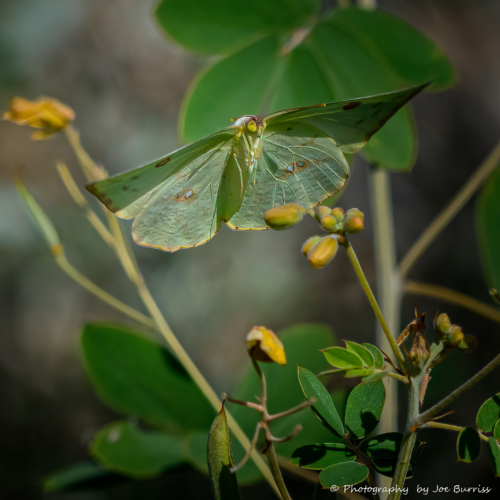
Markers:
<point>250,123</point>
<point>252,126</point>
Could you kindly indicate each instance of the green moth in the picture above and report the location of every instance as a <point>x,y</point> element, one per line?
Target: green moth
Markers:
<point>236,174</point>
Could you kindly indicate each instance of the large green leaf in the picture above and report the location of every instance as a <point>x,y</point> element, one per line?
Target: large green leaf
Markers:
<point>228,89</point>
<point>364,407</point>
<point>494,453</point>
<point>468,445</point>
<point>487,224</point>
<point>384,446</point>
<point>488,414</point>
<point>80,477</point>
<point>343,474</point>
<point>136,376</point>
<point>220,460</point>
<point>123,448</point>
<point>219,26</point>
<point>321,456</point>
<point>302,345</point>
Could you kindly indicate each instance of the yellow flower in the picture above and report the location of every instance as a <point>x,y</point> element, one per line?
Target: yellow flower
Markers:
<point>264,345</point>
<point>47,114</point>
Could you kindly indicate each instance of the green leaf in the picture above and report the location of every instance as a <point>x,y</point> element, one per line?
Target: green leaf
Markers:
<point>342,358</point>
<point>494,454</point>
<point>488,414</point>
<point>468,445</point>
<point>487,224</point>
<point>302,346</point>
<point>415,61</point>
<point>82,476</point>
<point>376,353</point>
<point>323,408</point>
<point>384,446</point>
<point>343,474</point>
<point>387,467</point>
<point>359,372</point>
<point>123,448</point>
<point>219,26</point>
<point>321,456</point>
<point>220,460</point>
<point>496,430</point>
<point>364,407</point>
<point>365,354</point>
<point>136,376</point>
<point>216,95</point>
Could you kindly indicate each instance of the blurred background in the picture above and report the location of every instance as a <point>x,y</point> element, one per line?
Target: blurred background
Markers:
<point>109,62</point>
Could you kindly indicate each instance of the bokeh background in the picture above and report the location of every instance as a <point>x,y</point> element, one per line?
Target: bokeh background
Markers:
<point>109,62</point>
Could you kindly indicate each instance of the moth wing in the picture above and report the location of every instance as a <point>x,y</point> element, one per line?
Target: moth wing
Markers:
<point>120,191</point>
<point>350,123</point>
<point>182,211</point>
<point>302,165</point>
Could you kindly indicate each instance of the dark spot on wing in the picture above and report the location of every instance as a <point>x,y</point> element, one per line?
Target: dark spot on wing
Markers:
<point>297,166</point>
<point>135,177</point>
<point>184,195</point>
<point>163,162</point>
<point>351,105</point>
<point>288,129</point>
<point>125,188</point>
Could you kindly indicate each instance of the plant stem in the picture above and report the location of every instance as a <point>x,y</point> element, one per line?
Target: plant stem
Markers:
<point>460,299</point>
<point>442,220</point>
<point>100,293</point>
<point>276,471</point>
<point>437,408</point>
<point>371,482</point>
<point>373,302</point>
<point>456,428</point>
<point>129,263</point>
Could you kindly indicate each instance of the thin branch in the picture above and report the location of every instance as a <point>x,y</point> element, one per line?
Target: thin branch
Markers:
<point>250,449</point>
<point>456,428</point>
<point>442,220</point>
<point>460,299</point>
<point>439,407</point>
<point>275,469</point>
<point>373,302</point>
<point>291,411</point>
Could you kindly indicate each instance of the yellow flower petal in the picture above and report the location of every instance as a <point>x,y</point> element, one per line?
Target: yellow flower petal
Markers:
<point>47,114</point>
<point>264,345</point>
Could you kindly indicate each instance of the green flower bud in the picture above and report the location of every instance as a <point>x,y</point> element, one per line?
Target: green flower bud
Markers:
<point>321,211</point>
<point>323,252</point>
<point>443,326</point>
<point>468,343</point>
<point>309,243</point>
<point>329,222</point>
<point>284,217</point>
<point>354,221</point>
<point>456,335</point>
<point>339,214</point>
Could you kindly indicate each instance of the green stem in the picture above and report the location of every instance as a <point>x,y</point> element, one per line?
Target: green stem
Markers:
<point>276,471</point>
<point>439,407</point>
<point>442,220</point>
<point>460,299</point>
<point>372,483</point>
<point>449,427</point>
<point>373,302</point>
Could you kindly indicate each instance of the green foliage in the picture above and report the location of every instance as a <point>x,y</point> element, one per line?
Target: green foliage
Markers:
<point>468,445</point>
<point>494,453</point>
<point>487,224</point>
<point>80,477</point>
<point>321,456</point>
<point>496,430</point>
<point>138,377</point>
<point>387,467</point>
<point>377,355</point>
<point>383,446</point>
<point>364,353</point>
<point>123,448</point>
<point>323,407</point>
<point>275,61</point>
<point>341,358</point>
<point>364,407</point>
<point>220,460</point>
<point>343,474</point>
<point>488,414</point>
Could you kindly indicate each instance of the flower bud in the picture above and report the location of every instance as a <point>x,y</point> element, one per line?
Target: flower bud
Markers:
<point>285,216</point>
<point>321,211</point>
<point>329,222</point>
<point>468,343</point>
<point>456,335</point>
<point>443,326</point>
<point>264,345</point>
<point>323,252</point>
<point>339,214</point>
<point>309,243</point>
<point>354,221</point>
